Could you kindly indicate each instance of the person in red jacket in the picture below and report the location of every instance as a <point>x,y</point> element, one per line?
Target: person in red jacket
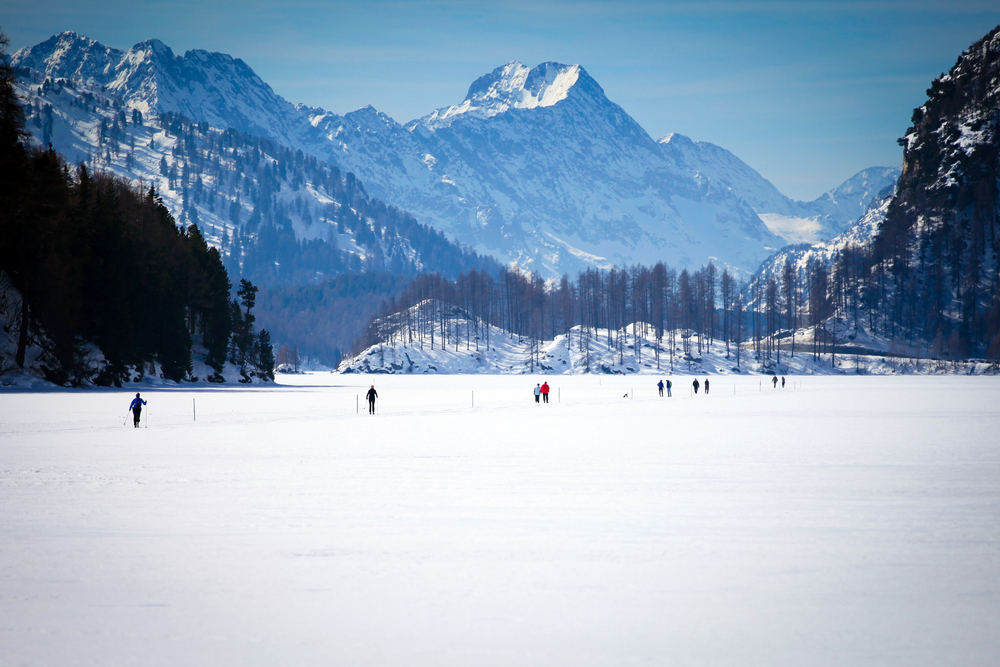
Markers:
<point>545,392</point>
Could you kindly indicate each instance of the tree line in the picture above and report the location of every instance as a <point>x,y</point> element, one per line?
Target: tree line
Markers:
<point>685,311</point>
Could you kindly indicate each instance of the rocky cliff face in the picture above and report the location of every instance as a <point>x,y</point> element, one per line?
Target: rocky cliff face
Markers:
<point>941,235</point>
<point>950,160</point>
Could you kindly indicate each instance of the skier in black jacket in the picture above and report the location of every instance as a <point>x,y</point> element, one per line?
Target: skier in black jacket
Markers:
<point>696,385</point>
<point>371,396</point>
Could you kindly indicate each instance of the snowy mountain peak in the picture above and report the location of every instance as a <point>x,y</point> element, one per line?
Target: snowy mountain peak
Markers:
<point>69,55</point>
<point>154,47</point>
<point>675,139</point>
<point>513,86</point>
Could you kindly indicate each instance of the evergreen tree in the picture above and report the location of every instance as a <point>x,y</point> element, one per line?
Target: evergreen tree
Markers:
<point>264,356</point>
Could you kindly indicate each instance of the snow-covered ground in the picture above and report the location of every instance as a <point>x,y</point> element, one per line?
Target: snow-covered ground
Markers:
<point>844,520</point>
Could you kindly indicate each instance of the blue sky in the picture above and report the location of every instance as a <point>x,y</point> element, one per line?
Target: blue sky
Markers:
<point>807,93</point>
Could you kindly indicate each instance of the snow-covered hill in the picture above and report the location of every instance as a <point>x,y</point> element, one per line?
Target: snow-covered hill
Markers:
<point>535,166</point>
<point>858,353</point>
<point>465,346</point>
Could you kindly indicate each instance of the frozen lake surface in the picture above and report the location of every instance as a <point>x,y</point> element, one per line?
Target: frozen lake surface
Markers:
<point>840,521</point>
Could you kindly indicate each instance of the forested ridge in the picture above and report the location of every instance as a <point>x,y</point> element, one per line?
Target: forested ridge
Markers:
<point>96,273</point>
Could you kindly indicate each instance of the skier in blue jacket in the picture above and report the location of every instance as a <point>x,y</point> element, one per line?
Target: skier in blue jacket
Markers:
<point>136,409</point>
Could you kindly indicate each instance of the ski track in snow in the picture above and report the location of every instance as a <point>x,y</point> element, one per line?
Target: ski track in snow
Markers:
<point>840,521</point>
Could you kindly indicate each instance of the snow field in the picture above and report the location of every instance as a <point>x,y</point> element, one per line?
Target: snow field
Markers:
<point>855,520</point>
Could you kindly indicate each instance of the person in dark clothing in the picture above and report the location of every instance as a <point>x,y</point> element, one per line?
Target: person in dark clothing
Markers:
<point>136,408</point>
<point>371,396</point>
<point>670,386</point>
<point>782,381</point>
<point>706,386</point>
<point>774,381</point>
<point>659,385</point>
<point>696,385</point>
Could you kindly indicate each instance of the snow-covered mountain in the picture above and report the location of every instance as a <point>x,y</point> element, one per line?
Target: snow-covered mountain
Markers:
<point>535,166</point>
<point>538,167</point>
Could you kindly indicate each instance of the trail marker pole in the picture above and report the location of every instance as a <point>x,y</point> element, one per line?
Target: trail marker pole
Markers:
<point>194,411</point>
<point>357,404</point>
<point>473,398</point>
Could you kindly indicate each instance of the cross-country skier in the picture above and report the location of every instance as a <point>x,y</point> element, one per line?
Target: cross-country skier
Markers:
<point>774,381</point>
<point>538,392</point>
<point>696,385</point>
<point>545,392</point>
<point>782,381</point>
<point>659,385</point>
<point>669,386</point>
<point>706,386</point>
<point>371,396</point>
<point>136,408</point>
